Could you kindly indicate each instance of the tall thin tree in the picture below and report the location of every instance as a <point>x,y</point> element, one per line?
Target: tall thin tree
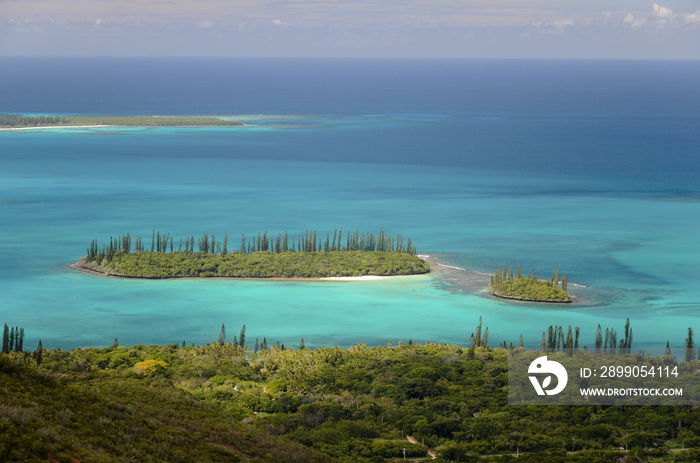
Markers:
<point>689,346</point>
<point>241,337</point>
<point>39,353</point>
<point>6,340</point>
<point>222,334</point>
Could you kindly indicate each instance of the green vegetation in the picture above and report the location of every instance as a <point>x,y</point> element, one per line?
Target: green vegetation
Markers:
<point>14,121</point>
<point>259,265</point>
<point>224,402</point>
<point>12,339</point>
<point>102,417</point>
<point>284,257</point>
<point>507,285</point>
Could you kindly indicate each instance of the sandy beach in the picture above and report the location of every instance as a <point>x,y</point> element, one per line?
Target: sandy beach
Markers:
<point>360,278</point>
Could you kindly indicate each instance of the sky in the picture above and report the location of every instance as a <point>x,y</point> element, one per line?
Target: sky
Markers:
<point>578,29</point>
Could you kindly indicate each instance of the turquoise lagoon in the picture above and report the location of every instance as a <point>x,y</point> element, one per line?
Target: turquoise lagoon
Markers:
<point>503,175</point>
<point>635,254</point>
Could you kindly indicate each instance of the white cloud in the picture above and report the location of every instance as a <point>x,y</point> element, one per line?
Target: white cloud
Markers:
<point>693,17</point>
<point>562,23</point>
<point>205,24</point>
<point>98,21</point>
<point>662,11</point>
<point>633,22</point>
<point>277,22</point>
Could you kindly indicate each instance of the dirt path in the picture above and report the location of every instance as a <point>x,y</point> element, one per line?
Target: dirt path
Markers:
<point>412,440</point>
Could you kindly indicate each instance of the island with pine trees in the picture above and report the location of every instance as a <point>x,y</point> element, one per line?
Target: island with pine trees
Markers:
<point>507,285</point>
<point>307,255</point>
<point>11,121</point>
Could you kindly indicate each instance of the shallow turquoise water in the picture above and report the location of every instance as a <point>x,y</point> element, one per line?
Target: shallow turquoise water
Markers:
<point>631,241</point>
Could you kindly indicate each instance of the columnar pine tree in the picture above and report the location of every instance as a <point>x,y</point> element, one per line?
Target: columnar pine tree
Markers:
<point>598,340</point>
<point>20,345</point>
<point>477,337</point>
<point>39,353</point>
<point>6,340</point>
<point>561,340</point>
<point>626,341</point>
<point>607,340</point>
<point>241,337</point>
<point>222,335</point>
<point>689,346</point>
<point>301,344</point>
<point>470,352</point>
<point>485,339</point>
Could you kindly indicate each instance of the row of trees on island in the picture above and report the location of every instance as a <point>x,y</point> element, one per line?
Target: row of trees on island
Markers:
<point>508,284</point>
<point>506,274</point>
<point>11,120</point>
<point>308,241</point>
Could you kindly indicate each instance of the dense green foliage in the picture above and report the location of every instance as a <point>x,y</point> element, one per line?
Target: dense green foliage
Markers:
<point>260,264</point>
<point>356,404</point>
<point>284,257</point>
<point>515,286</point>
<point>14,121</point>
<point>45,416</point>
<point>10,121</point>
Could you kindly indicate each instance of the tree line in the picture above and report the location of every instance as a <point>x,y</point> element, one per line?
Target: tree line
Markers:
<point>308,241</point>
<point>355,404</point>
<point>240,341</point>
<point>11,120</point>
<point>506,274</point>
<point>12,339</point>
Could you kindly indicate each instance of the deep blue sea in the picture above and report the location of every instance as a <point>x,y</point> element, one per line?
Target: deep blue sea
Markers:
<point>591,166</point>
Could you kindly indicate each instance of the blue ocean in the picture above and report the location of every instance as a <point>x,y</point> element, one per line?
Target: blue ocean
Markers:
<point>588,166</point>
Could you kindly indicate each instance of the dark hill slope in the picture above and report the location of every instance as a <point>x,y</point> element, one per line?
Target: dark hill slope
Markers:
<point>109,419</point>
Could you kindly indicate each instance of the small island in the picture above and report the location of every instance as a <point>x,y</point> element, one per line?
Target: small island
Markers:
<point>284,256</point>
<point>10,121</point>
<point>507,285</point>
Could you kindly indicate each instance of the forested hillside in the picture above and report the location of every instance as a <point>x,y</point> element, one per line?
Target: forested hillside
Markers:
<point>356,404</point>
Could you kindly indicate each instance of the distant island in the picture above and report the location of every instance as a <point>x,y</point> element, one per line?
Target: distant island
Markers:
<point>9,121</point>
<point>507,285</point>
<point>284,256</point>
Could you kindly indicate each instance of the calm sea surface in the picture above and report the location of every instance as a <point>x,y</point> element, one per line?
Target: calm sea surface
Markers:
<point>589,166</point>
